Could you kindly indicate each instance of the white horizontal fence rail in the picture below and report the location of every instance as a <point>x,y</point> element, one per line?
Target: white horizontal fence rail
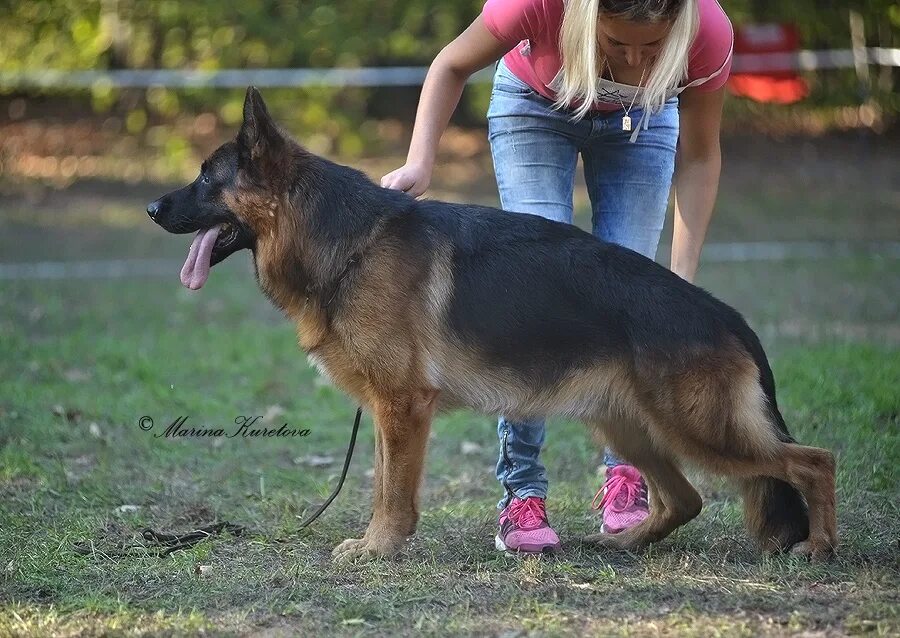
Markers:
<point>807,60</point>
<point>725,252</point>
<point>813,60</point>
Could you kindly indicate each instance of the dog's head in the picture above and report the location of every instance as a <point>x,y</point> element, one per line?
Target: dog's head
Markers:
<point>235,198</point>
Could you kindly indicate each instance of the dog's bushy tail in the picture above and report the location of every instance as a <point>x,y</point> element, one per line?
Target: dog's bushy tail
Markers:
<point>774,511</point>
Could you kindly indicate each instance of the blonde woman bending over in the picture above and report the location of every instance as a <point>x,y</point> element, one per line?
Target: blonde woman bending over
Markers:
<point>614,81</point>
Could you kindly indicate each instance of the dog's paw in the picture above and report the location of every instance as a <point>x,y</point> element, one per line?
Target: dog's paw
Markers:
<point>818,551</point>
<point>350,550</point>
<point>356,549</point>
<point>609,541</point>
<point>632,540</point>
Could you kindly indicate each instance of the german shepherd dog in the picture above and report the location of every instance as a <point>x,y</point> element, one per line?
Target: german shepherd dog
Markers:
<point>417,306</point>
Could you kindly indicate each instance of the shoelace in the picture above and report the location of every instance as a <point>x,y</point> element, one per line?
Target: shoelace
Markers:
<point>528,513</point>
<point>609,493</point>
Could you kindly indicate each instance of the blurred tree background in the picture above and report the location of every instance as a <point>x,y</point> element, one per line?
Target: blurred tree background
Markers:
<point>218,34</point>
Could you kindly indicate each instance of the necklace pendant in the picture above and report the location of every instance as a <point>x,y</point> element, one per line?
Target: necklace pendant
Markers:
<point>626,123</point>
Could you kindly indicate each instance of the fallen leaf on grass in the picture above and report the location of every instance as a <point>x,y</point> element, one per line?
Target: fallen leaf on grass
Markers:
<point>313,460</point>
<point>354,621</point>
<point>71,414</point>
<point>589,586</point>
<point>204,571</point>
<point>127,509</point>
<point>272,413</point>
<point>468,447</point>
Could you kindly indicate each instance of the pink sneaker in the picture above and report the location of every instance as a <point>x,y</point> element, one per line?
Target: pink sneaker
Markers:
<point>524,528</point>
<point>623,499</point>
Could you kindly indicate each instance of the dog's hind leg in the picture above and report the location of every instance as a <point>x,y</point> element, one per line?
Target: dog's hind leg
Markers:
<point>776,515</point>
<point>673,500</point>
<point>775,485</point>
<point>812,471</point>
<point>725,420</point>
<point>402,424</point>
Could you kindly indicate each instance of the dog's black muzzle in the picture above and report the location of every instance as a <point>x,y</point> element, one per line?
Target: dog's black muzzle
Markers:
<point>171,214</point>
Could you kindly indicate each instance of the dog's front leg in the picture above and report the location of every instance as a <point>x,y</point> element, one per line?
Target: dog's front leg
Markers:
<point>402,425</point>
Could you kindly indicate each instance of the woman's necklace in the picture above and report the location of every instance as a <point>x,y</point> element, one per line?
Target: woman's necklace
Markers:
<point>626,119</point>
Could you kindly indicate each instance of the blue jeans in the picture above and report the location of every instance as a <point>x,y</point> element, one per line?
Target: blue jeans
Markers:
<point>535,151</point>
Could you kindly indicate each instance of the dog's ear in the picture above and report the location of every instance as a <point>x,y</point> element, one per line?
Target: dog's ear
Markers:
<point>259,140</point>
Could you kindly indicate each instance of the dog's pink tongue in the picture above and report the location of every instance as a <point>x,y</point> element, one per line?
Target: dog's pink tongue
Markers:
<point>196,267</point>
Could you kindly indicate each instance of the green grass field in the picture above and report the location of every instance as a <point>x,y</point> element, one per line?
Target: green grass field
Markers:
<point>82,360</point>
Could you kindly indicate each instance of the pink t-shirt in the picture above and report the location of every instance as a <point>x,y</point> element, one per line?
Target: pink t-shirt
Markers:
<point>531,27</point>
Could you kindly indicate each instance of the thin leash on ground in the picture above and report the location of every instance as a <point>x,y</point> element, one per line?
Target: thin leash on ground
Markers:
<point>724,252</point>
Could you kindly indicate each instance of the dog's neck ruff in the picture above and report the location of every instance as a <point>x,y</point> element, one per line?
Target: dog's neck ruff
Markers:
<point>326,293</point>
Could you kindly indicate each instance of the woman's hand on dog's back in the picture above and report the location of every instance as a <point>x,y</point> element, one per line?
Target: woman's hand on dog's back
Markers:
<point>475,48</point>
<point>411,178</point>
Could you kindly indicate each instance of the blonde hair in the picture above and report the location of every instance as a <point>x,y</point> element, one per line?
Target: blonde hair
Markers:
<point>582,59</point>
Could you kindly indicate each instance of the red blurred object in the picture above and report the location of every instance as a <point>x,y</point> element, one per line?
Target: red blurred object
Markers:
<point>772,84</point>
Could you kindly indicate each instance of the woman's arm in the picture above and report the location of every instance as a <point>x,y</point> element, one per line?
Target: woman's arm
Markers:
<point>474,49</point>
<point>697,165</point>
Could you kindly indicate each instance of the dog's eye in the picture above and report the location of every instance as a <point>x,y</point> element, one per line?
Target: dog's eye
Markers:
<point>204,178</point>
